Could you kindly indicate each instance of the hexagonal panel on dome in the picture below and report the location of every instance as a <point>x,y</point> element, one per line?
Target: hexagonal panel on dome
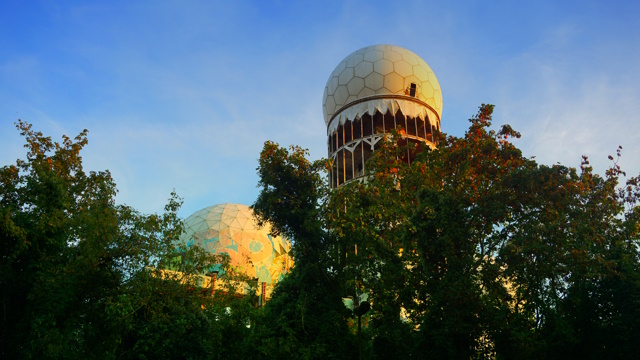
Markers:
<point>412,79</point>
<point>341,66</point>
<point>392,56</point>
<point>330,103</point>
<point>355,85</point>
<point>394,82</point>
<point>374,81</point>
<point>382,67</point>
<point>341,95</point>
<point>345,76</point>
<point>420,73</point>
<point>363,69</point>
<point>355,60</point>
<point>366,92</point>
<point>403,68</point>
<point>332,85</point>
<point>231,229</point>
<point>373,55</point>
<point>427,90</point>
<point>411,60</point>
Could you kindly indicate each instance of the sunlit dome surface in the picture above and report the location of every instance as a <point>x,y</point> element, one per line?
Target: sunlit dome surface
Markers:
<point>231,229</point>
<point>380,70</point>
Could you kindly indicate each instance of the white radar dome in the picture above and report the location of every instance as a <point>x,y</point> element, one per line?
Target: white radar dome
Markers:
<point>380,70</point>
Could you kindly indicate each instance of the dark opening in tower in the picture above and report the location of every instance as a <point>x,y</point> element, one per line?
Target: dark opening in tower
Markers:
<point>352,143</point>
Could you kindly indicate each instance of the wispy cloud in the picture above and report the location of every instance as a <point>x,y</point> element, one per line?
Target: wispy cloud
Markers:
<point>571,101</point>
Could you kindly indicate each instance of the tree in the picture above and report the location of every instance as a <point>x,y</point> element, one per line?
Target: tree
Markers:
<point>81,277</point>
<point>472,250</point>
<point>305,317</point>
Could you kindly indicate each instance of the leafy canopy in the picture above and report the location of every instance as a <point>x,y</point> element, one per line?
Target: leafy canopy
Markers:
<point>81,277</point>
<point>472,251</point>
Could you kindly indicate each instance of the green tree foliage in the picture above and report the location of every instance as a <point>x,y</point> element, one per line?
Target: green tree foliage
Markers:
<point>306,317</point>
<point>471,251</point>
<point>80,276</point>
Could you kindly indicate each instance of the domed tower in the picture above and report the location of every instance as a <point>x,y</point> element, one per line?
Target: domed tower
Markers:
<point>370,93</point>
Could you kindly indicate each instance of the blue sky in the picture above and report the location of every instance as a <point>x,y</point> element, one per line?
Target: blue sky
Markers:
<point>182,94</point>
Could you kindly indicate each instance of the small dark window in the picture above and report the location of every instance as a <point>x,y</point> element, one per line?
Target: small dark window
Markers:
<point>348,164</point>
<point>358,163</point>
<point>420,126</point>
<point>378,123</point>
<point>366,153</point>
<point>412,90</point>
<point>367,125</point>
<point>347,132</point>
<point>340,174</point>
<point>334,138</point>
<point>357,131</point>
<point>411,126</point>
<point>389,124</point>
<point>400,123</point>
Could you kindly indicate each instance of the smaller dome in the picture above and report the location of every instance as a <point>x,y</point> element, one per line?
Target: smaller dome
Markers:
<point>231,229</point>
<point>380,70</point>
